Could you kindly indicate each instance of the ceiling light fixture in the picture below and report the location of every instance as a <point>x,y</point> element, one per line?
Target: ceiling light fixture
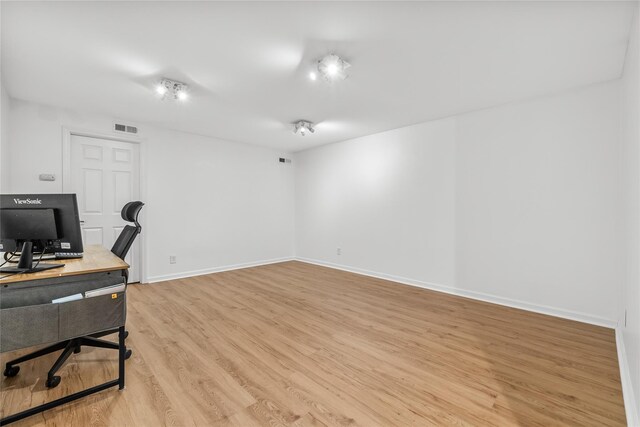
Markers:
<point>313,76</point>
<point>302,127</point>
<point>332,67</point>
<point>172,89</point>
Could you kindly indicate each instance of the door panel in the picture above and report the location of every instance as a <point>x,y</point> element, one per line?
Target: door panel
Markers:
<point>91,152</point>
<point>92,191</point>
<point>92,236</point>
<point>123,189</point>
<point>105,176</point>
<point>123,156</point>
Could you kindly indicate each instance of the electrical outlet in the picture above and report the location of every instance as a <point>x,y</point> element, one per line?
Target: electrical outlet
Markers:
<point>172,259</point>
<point>339,251</point>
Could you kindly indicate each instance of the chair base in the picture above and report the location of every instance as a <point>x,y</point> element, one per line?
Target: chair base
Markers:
<point>68,347</point>
<point>119,382</point>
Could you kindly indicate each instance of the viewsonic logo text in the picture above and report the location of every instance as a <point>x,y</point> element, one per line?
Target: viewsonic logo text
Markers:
<point>27,201</point>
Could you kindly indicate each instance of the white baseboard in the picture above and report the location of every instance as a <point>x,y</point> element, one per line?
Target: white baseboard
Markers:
<point>633,417</point>
<point>542,309</point>
<point>551,311</point>
<point>184,274</point>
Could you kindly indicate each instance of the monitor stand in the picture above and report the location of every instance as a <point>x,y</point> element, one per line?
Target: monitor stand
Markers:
<point>25,264</point>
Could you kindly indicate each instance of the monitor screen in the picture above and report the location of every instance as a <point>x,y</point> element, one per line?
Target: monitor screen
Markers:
<point>65,212</point>
<point>28,224</point>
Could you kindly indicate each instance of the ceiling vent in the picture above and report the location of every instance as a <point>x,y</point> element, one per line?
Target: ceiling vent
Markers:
<point>121,128</point>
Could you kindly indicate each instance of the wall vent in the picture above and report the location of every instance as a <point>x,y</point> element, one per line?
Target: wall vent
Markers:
<point>119,127</point>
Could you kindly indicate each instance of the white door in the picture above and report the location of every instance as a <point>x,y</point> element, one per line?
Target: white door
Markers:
<point>105,176</point>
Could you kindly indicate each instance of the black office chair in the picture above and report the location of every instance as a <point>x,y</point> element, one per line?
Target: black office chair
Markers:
<point>129,213</point>
<point>123,243</point>
<point>121,247</point>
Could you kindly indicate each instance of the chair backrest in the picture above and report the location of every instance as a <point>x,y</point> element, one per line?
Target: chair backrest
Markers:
<point>123,243</point>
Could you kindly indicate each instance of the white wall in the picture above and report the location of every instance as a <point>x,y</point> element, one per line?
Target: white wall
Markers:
<point>4,135</point>
<point>528,194</point>
<point>212,203</point>
<point>630,301</point>
<point>386,200</point>
<point>538,202</point>
<point>4,139</point>
<point>215,203</point>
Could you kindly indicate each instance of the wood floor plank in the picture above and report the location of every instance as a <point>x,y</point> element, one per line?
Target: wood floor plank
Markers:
<point>295,344</point>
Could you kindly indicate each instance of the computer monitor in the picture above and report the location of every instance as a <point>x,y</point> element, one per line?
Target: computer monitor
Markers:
<point>67,220</point>
<point>38,223</point>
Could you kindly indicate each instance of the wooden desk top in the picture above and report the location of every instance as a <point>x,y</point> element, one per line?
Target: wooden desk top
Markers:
<point>96,259</point>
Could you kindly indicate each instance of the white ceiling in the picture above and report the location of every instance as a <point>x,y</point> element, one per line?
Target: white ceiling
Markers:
<point>247,63</point>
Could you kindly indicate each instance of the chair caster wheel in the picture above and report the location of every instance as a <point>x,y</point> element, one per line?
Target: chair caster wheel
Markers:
<point>127,354</point>
<point>126,334</point>
<point>53,381</point>
<point>11,371</point>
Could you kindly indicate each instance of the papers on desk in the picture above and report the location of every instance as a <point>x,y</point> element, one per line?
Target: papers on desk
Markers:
<point>90,294</point>
<point>67,298</point>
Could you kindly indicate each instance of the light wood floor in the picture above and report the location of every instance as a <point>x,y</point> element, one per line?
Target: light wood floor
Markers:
<point>296,344</point>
